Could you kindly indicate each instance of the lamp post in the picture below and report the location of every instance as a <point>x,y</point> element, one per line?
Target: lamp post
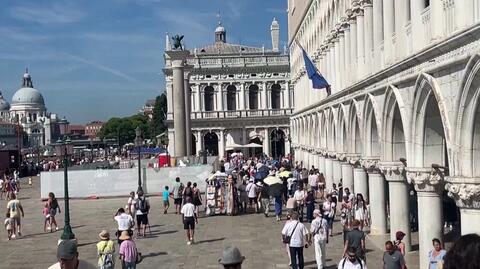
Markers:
<point>64,148</point>
<point>138,144</point>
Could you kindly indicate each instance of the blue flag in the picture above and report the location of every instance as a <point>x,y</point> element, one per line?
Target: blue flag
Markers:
<point>318,81</point>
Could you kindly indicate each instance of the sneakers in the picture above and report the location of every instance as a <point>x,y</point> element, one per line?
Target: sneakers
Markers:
<point>192,241</point>
<point>189,243</point>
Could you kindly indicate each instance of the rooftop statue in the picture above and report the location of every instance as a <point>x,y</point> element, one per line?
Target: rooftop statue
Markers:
<point>177,42</point>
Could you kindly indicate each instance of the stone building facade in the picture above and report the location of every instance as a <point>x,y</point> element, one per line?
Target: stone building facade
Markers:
<point>403,114</point>
<point>239,98</point>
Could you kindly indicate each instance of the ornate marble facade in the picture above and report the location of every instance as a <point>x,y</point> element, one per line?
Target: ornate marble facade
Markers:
<point>237,95</point>
<point>403,113</point>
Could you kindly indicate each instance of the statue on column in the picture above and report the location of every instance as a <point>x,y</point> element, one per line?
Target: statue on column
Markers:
<point>177,42</point>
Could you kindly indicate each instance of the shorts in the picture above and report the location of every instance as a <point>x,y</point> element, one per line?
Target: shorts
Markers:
<point>252,200</point>
<point>52,212</point>
<point>177,201</point>
<point>189,223</point>
<point>166,203</point>
<point>17,220</point>
<point>142,219</point>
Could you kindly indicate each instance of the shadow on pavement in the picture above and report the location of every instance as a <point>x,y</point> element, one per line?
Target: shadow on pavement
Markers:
<point>209,240</point>
<point>153,254</point>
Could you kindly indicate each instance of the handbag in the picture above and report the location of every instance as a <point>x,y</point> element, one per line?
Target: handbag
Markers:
<point>287,238</point>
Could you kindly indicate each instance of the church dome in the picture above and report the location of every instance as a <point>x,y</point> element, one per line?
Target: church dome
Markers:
<point>4,105</point>
<point>27,94</point>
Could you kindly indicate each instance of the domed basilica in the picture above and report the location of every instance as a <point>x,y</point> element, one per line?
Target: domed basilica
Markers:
<point>28,109</point>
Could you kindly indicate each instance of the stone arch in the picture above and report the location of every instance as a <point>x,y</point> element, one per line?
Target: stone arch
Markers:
<point>210,141</point>
<point>372,127</point>
<point>303,133</point>
<point>318,129</point>
<point>355,123</point>
<point>429,103</point>
<point>342,130</point>
<point>275,95</point>
<point>467,131</point>
<point>209,98</point>
<point>323,136</point>
<point>331,129</point>
<point>253,96</point>
<point>395,126</point>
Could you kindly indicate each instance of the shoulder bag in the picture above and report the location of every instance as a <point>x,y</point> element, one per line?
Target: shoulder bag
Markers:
<point>287,238</point>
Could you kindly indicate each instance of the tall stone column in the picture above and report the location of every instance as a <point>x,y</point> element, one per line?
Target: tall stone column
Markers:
<point>221,145</point>
<point>464,14</point>
<point>347,54</point>
<point>341,43</point>
<point>315,159</point>
<point>429,187</point>
<point>388,27</point>
<point>188,111</point>
<point>242,96</point>
<point>418,35</point>
<point>353,52</point>
<point>347,175</point>
<point>328,173</point>
<point>264,96</point>
<point>321,164</point>
<point>199,142</point>
<point>197,98</point>
<point>400,34</point>
<point>399,205</point>
<point>378,31</point>
<point>360,44</point>
<point>368,28</point>
<point>376,186</point>
<point>336,50</point>
<point>266,142</point>
<point>360,182</point>
<point>178,60</point>
<point>337,171</point>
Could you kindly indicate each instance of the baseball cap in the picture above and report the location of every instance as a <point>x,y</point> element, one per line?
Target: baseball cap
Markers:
<point>67,249</point>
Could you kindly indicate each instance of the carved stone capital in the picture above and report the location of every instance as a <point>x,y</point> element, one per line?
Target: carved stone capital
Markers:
<point>425,179</point>
<point>342,157</point>
<point>465,191</point>
<point>332,155</point>
<point>369,163</point>
<point>393,171</point>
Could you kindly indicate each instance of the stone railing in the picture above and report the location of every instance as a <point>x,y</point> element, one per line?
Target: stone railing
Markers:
<point>239,61</point>
<point>241,113</point>
<point>427,33</point>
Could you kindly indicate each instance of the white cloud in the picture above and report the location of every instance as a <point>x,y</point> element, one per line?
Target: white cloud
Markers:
<point>57,13</point>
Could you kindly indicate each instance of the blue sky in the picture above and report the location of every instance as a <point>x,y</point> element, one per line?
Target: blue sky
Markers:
<point>95,59</point>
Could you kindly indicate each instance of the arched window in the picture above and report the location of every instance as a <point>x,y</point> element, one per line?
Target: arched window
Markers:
<point>253,97</point>
<point>275,96</point>
<point>231,98</point>
<point>209,98</point>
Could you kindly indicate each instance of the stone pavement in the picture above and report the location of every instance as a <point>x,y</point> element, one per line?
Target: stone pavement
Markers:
<point>257,237</point>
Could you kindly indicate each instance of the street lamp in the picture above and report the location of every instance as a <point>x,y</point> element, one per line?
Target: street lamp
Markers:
<point>138,144</point>
<point>64,148</point>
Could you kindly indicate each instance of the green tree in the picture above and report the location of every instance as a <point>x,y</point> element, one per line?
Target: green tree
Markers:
<point>123,129</point>
<point>159,115</point>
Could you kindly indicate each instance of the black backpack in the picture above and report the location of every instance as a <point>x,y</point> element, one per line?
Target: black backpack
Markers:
<point>144,207</point>
<point>54,204</point>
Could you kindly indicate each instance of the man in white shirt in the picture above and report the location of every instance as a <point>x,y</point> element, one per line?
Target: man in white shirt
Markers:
<point>252,194</point>
<point>189,218</point>
<point>299,238</point>
<point>351,261</point>
<point>299,196</point>
<point>319,231</point>
<point>124,222</point>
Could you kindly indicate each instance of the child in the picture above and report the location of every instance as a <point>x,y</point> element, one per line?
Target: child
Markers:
<point>46,214</point>
<point>166,202</point>
<point>9,222</point>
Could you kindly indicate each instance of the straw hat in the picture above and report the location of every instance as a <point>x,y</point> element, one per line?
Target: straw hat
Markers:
<point>124,236</point>
<point>231,255</point>
<point>104,235</point>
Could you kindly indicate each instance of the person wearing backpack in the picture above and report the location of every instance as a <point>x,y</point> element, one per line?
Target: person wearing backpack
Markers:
<point>105,251</point>
<point>177,192</point>
<point>351,260</point>
<point>143,207</point>
<point>187,192</point>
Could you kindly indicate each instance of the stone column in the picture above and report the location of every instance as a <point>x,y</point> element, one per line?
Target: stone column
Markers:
<point>378,31</point>
<point>347,54</point>
<point>264,96</point>
<point>242,96</point>
<point>347,175</point>
<point>221,145</point>
<point>328,173</point>
<point>188,111</point>
<point>360,44</point>
<point>368,28</point>
<point>389,23</point>
<point>376,186</point>
<point>337,171</point>
<point>321,164</point>
<point>429,187</point>
<point>400,34</point>
<point>399,205</point>
<point>199,142</point>
<point>464,14</point>
<point>353,52</point>
<point>178,59</point>
<point>437,21</point>
<point>197,98</point>
<point>336,50</point>
<point>316,158</point>
<point>418,35</point>
<point>266,142</point>
<point>360,182</point>
<point>341,43</point>
<point>466,193</point>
